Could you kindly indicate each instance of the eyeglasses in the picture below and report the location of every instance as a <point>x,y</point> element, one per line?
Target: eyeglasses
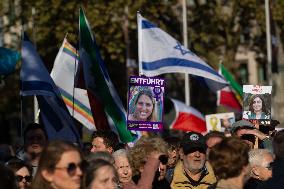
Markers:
<point>269,166</point>
<point>72,167</point>
<point>164,159</point>
<point>27,178</point>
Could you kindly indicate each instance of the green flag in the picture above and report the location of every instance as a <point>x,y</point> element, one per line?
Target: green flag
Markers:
<point>238,90</point>
<point>97,79</point>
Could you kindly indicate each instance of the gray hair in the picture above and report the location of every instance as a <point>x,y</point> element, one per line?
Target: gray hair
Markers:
<point>119,153</point>
<point>256,156</point>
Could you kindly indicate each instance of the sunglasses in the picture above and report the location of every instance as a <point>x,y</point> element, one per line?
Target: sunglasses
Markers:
<point>72,167</point>
<point>164,159</point>
<point>27,178</point>
<point>269,166</point>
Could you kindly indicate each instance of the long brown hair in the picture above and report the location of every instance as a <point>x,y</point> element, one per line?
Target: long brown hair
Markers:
<point>148,93</point>
<point>50,156</point>
<point>264,106</point>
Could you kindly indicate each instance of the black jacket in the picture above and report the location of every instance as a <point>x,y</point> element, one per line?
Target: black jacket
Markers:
<point>277,180</point>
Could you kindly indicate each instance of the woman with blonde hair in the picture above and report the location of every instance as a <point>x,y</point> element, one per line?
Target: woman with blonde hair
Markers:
<point>145,158</point>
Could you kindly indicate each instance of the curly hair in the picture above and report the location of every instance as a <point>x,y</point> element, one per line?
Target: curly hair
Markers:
<point>145,146</point>
<point>229,157</point>
<point>264,106</point>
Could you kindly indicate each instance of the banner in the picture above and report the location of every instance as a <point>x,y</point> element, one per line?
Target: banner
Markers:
<point>145,103</point>
<point>257,103</point>
<point>220,122</point>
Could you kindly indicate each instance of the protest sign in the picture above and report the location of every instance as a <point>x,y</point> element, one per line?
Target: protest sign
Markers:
<point>220,122</point>
<point>257,103</point>
<point>145,103</point>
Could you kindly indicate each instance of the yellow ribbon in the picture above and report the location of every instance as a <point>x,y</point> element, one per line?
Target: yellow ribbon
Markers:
<point>214,123</point>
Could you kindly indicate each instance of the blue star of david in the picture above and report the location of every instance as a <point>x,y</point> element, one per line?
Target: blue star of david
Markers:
<point>182,50</point>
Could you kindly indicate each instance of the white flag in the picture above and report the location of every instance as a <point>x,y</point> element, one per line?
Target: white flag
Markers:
<point>160,53</point>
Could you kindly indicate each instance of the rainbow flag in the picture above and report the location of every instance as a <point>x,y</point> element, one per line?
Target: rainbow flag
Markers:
<point>63,73</point>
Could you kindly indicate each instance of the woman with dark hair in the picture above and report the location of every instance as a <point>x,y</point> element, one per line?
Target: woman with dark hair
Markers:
<point>22,170</point>
<point>100,174</point>
<point>230,162</point>
<point>7,178</point>
<point>258,108</point>
<point>60,167</point>
<point>144,107</point>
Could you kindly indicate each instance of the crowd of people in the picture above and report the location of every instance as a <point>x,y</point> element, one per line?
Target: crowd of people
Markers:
<point>246,158</point>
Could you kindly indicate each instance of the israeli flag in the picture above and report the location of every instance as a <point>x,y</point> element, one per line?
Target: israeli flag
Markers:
<point>160,53</point>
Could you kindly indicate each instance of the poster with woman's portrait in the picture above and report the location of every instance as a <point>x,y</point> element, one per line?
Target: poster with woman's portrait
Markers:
<point>145,103</point>
<point>257,103</point>
<point>220,122</point>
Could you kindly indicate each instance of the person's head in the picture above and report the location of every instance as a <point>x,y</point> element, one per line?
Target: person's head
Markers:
<point>100,155</point>
<point>193,148</point>
<point>144,106</point>
<point>104,141</point>
<point>162,171</point>
<point>173,151</point>
<point>7,178</point>
<point>237,128</point>
<point>225,122</point>
<point>142,149</point>
<point>122,165</point>
<point>60,167</point>
<point>100,174</point>
<point>260,160</point>
<point>229,159</point>
<point>257,104</point>
<point>35,138</point>
<point>212,138</point>
<point>22,170</point>
<point>278,144</point>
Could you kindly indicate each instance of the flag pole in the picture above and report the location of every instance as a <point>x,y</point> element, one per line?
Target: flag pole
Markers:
<point>34,39</point>
<point>268,42</point>
<point>139,43</point>
<point>185,43</point>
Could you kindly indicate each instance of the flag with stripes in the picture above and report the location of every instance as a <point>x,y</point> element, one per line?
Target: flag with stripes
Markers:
<point>35,80</point>
<point>187,118</point>
<point>160,53</point>
<point>230,96</point>
<point>97,80</point>
<point>63,74</point>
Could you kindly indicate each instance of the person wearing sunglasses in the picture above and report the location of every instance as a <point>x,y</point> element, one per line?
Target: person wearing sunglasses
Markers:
<point>22,171</point>
<point>260,161</point>
<point>60,167</point>
<point>145,158</point>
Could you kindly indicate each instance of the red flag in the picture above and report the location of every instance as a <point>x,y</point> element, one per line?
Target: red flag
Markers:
<point>230,96</point>
<point>226,97</point>
<point>188,118</point>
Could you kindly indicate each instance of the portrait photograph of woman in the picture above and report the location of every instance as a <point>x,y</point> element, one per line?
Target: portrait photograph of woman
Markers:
<point>257,102</point>
<point>143,106</point>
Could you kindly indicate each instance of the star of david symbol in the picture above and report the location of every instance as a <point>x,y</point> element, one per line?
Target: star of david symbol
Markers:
<point>182,49</point>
